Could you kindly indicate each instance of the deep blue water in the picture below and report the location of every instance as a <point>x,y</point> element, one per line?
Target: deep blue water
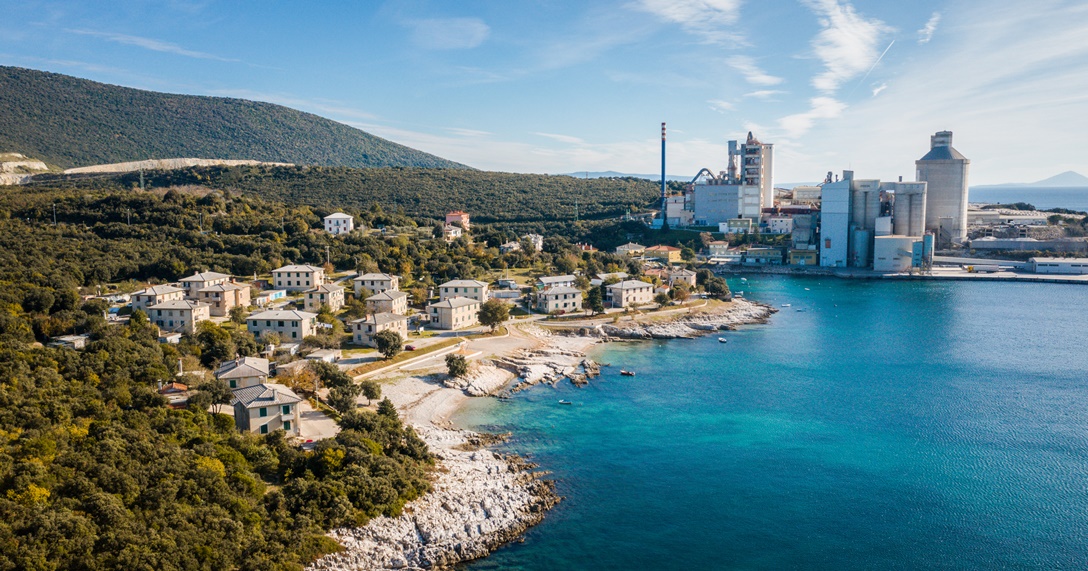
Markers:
<point>890,425</point>
<point>1073,198</point>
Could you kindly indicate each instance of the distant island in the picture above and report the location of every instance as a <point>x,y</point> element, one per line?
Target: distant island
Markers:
<point>1067,179</point>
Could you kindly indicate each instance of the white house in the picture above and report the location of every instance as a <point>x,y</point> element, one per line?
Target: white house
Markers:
<point>474,289</point>
<point>451,233</point>
<point>1059,265</point>
<point>179,315</point>
<point>290,325</point>
<point>331,295</point>
<point>364,330</point>
<point>145,298</point>
<point>559,299</point>
<point>630,249</point>
<point>510,247</point>
<point>548,282</point>
<point>683,276</point>
<point>243,372</point>
<point>339,223</point>
<point>536,240</point>
<point>630,292</point>
<point>200,280</point>
<point>388,301</point>
<point>224,297</point>
<point>266,408</point>
<point>375,283</point>
<point>454,313</point>
<point>298,277</point>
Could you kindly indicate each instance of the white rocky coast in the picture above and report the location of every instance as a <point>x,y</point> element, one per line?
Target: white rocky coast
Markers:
<point>481,500</point>
<point>740,312</point>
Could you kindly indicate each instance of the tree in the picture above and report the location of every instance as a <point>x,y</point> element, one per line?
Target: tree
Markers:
<point>456,365</point>
<point>493,313</point>
<point>389,343</point>
<point>345,398</point>
<point>302,380</point>
<point>371,390</point>
<point>216,344</point>
<point>717,287</point>
<point>331,376</point>
<point>218,391</point>
<point>661,299</point>
<point>680,291</point>
<point>594,300</point>
<point>386,409</point>
<point>271,338</point>
<point>238,315</point>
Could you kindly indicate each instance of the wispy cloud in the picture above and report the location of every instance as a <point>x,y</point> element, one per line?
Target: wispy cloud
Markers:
<point>879,88</point>
<point>151,44</point>
<point>468,132</point>
<point>752,72</point>
<point>720,105</point>
<point>712,20</point>
<point>926,33</point>
<point>796,125</point>
<point>562,138</point>
<point>848,44</point>
<point>763,93</point>
<point>448,33</point>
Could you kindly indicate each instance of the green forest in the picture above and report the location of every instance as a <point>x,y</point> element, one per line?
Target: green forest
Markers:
<point>70,122</point>
<point>425,193</point>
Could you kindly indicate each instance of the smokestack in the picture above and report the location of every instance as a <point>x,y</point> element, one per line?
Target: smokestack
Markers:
<point>664,211</point>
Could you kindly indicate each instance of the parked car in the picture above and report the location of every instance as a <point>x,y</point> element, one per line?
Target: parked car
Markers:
<point>409,347</point>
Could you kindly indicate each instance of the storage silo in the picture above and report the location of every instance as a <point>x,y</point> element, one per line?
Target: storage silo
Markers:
<point>909,212</point>
<point>945,170</point>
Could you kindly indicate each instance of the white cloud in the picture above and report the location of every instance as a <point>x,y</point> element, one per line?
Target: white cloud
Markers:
<point>879,88</point>
<point>764,93</point>
<point>712,20</point>
<point>151,44</point>
<point>449,33</point>
<point>796,125</point>
<point>468,132</point>
<point>561,138</point>
<point>848,44</point>
<point>926,33</point>
<point>751,72</point>
<point>719,105</point>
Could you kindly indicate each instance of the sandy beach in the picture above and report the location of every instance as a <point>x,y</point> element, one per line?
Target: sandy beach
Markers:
<point>482,499</point>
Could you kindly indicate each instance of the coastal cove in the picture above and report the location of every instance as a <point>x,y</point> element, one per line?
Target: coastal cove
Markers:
<point>884,425</point>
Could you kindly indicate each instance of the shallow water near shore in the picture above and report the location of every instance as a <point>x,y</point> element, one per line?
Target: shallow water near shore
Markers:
<point>888,425</point>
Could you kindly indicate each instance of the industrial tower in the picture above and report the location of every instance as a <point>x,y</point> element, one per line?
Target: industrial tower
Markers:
<point>944,170</point>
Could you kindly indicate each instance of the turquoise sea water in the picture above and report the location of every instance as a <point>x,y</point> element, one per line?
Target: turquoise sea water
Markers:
<point>889,425</point>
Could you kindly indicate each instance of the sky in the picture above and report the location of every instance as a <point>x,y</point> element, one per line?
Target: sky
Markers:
<point>561,86</point>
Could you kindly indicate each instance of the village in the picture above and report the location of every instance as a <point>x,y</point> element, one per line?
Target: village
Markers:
<point>319,334</point>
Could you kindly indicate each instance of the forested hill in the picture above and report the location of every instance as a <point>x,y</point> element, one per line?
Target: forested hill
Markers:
<point>425,193</point>
<point>70,122</point>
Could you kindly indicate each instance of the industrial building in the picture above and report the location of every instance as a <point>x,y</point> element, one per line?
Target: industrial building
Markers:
<point>1059,265</point>
<point>945,171</point>
<point>740,191</point>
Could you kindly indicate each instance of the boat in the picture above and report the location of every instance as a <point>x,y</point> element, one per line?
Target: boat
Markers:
<point>627,373</point>
<point>744,279</point>
<point>785,305</point>
<point>722,340</point>
<point>561,401</point>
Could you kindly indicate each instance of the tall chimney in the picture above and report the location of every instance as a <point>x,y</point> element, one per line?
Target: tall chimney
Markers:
<point>664,200</point>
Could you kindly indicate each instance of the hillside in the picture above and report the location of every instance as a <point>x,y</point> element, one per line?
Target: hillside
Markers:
<point>427,193</point>
<point>72,122</point>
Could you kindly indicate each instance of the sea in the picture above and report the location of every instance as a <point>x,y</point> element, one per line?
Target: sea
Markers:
<point>869,425</point>
<point>1073,198</point>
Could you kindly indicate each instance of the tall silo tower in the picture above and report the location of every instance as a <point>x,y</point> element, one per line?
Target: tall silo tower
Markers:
<point>944,170</point>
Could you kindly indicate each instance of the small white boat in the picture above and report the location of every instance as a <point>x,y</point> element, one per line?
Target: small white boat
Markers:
<point>744,279</point>
<point>627,373</point>
<point>806,289</point>
<point>722,340</point>
<point>786,305</point>
<point>565,402</point>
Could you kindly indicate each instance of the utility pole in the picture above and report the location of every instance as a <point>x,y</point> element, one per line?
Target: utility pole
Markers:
<point>129,217</point>
<point>327,255</point>
<point>54,214</point>
<point>142,180</point>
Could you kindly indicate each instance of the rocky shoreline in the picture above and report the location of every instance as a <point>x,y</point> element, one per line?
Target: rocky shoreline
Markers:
<point>481,500</point>
<point>742,312</point>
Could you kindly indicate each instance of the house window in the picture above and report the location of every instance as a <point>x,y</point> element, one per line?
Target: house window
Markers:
<point>294,334</point>
<point>233,384</point>
<point>262,412</point>
<point>264,429</point>
<point>287,425</point>
<point>286,409</point>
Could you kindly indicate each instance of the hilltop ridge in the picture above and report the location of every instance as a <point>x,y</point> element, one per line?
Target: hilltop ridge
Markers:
<point>72,122</point>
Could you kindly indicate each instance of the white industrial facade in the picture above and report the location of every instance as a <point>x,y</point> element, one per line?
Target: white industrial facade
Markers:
<point>945,171</point>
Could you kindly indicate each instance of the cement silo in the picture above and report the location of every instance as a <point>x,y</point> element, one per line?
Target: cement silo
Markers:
<point>945,171</point>
<point>909,212</point>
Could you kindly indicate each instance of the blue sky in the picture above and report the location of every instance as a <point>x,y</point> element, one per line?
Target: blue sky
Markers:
<point>562,86</point>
